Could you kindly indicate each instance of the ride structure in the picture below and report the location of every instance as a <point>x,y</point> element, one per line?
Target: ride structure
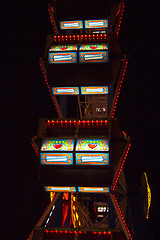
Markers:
<point>83,151</point>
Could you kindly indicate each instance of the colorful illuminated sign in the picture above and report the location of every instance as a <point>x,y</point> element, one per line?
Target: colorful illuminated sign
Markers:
<point>92,159</point>
<point>57,145</point>
<point>91,57</point>
<point>92,145</point>
<point>62,48</point>
<point>96,23</point>
<point>70,57</point>
<point>94,189</point>
<point>59,189</point>
<point>94,90</point>
<point>56,158</point>
<point>71,25</point>
<point>65,90</point>
<point>93,47</point>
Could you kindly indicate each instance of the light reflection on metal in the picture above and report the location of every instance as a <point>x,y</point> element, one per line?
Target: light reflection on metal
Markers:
<point>56,158</point>
<point>49,216</point>
<point>96,23</point>
<point>71,25</point>
<point>149,195</point>
<point>57,145</point>
<point>66,196</point>
<point>94,90</point>
<point>92,145</point>
<point>73,210</point>
<point>94,189</point>
<point>59,189</point>
<point>56,58</point>
<point>93,57</point>
<point>52,196</point>
<point>92,159</point>
<point>65,90</point>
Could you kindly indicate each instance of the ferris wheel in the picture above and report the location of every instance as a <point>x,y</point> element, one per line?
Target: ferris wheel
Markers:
<point>82,152</point>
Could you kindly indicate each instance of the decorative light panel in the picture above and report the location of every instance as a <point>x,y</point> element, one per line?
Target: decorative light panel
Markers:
<point>92,145</point>
<point>92,158</point>
<point>92,57</point>
<point>94,189</point>
<point>59,189</point>
<point>93,47</point>
<point>65,90</point>
<point>94,90</point>
<point>71,25</point>
<point>61,48</point>
<point>57,145</point>
<point>70,57</point>
<point>96,23</point>
<point>56,158</point>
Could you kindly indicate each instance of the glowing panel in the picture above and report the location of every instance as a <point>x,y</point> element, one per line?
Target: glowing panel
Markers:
<point>92,145</point>
<point>94,189</point>
<point>101,209</point>
<point>56,158</point>
<point>92,159</point>
<point>57,145</point>
<point>96,23</point>
<point>61,48</point>
<point>92,57</point>
<point>65,90</point>
<point>71,24</point>
<point>60,189</point>
<point>93,47</point>
<point>94,90</point>
<point>70,57</point>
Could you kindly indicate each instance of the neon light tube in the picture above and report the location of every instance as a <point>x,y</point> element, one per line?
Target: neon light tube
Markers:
<point>71,25</point>
<point>94,90</point>
<point>96,23</point>
<point>56,158</point>
<point>94,189</point>
<point>65,91</point>
<point>59,189</point>
<point>92,158</point>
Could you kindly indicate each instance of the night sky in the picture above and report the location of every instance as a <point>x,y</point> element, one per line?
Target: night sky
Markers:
<point>25,98</point>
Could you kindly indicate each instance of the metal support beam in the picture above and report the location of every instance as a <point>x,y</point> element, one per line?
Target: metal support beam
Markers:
<point>45,214</point>
<point>120,218</point>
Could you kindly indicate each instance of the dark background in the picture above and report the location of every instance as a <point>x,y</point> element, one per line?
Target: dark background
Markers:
<point>25,98</point>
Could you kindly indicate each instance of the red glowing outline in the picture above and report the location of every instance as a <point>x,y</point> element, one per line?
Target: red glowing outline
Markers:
<point>118,89</point>
<point>50,91</point>
<point>120,19</point>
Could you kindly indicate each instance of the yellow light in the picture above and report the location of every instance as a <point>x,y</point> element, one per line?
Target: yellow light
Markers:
<point>77,216</point>
<point>149,195</point>
<point>52,195</point>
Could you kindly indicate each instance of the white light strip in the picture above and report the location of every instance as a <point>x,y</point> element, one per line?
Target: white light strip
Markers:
<point>56,159</point>
<point>71,24</point>
<point>63,188</point>
<point>95,90</point>
<point>92,159</point>
<point>62,58</point>
<point>90,57</point>
<point>96,23</point>
<point>49,216</point>
<point>93,189</point>
<point>71,90</point>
